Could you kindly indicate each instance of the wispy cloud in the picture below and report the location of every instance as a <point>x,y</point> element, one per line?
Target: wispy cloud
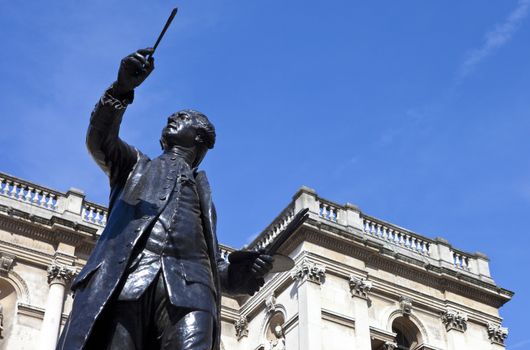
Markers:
<point>520,344</point>
<point>496,38</point>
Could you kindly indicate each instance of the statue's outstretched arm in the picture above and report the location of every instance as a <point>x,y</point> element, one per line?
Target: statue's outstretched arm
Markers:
<point>113,155</point>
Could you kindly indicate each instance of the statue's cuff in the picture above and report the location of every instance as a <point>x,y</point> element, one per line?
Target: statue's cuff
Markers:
<point>108,100</point>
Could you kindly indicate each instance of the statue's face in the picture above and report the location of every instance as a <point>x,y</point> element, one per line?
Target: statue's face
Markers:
<point>180,130</point>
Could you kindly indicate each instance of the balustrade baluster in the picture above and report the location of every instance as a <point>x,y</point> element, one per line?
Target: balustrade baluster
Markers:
<point>413,243</point>
<point>21,192</point>
<point>54,201</point>
<point>45,199</point>
<point>14,190</point>
<point>97,215</point>
<point>29,192</point>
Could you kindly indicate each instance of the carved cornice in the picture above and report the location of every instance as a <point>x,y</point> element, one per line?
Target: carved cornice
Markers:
<point>453,319</point>
<point>241,326</point>
<point>406,305</point>
<point>497,334</point>
<point>309,271</point>
<point>53,229</point>
<point>58,273</point>
<point>360,287</point>
<point>417,268</point>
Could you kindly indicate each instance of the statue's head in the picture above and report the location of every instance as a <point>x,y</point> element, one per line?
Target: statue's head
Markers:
<point>190,129</point>
<point>278,331</point>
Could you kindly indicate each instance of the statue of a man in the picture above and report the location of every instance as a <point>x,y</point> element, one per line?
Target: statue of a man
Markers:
<point>155,277</point>
<point>279,342</point>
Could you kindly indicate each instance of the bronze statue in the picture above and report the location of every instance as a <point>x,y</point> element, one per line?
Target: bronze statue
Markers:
<point>155,276</point>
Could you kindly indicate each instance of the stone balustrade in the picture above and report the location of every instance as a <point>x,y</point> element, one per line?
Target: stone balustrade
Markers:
<point>27,192</point>
<point>461,260</point>
<point>397,236</point>
<point>437,252</point>
<point>271,231</point>
<point>24,195</point>
<point>21,193</point>
<point>328,210</point>
<point>94,213</point>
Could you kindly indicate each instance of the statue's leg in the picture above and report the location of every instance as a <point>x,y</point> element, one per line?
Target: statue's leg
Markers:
<point>121,327</point>
<point>180,328</point>
<point>187,330</point>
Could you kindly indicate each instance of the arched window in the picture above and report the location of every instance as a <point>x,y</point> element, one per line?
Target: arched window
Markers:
<point>401,340</point>
<point>8,301</point>
<point>274,333</point>
<point>408,336</point>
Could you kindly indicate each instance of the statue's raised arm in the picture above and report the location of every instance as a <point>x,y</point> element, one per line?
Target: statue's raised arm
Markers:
<point>113,155</point>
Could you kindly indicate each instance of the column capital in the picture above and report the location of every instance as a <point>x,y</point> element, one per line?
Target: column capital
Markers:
<point>497,334</point>
<point>360,287</point>
<point>241,326</point>
<point>309,271</point>
<point>58,273</point>
<point>453,319</point>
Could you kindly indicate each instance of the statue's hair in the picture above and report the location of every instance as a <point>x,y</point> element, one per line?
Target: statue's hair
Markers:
<point>206,128</point>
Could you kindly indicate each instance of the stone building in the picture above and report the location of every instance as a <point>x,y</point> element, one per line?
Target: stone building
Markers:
<point>359,282</point>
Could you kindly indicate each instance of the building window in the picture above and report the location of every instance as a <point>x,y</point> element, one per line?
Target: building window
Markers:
<point>408,336</point>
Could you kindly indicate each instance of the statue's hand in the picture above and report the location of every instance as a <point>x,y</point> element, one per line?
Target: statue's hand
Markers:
<point>134,69</point>
<point>262,265</point>
<point>248,273</point>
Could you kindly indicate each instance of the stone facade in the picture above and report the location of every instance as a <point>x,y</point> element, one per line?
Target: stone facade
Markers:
<point>359,282</point>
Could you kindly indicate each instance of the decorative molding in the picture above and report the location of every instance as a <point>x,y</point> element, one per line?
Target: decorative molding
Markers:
<point>453,319</point>
<point>20,286</point>
<point>6,262</point>
<point>270,304</point>
<point>335,317</point>
<point>360,287</point>
<point>381,334</point>
<point>497,334</point>
<point>309,271</point>
<point>406,305</point>
<point>60,273</point>
<point>241,326</point>
<point>30,311</point>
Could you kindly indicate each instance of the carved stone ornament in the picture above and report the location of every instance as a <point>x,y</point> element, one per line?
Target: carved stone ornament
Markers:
<point>309,271</point>
<point>360,287</point>
<point>390,345</point>
<point>453,319</point>
<point>6,262</point>
<point>497,334</point>
<point>270,304</point>
<point>406,305</point>
<point>60,273</point>
<point>241,326</point>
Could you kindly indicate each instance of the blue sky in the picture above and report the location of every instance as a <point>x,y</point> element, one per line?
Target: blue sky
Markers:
<point>417,111</point>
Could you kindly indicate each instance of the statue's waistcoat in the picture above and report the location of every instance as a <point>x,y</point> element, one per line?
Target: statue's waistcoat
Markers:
<point>175,244</point>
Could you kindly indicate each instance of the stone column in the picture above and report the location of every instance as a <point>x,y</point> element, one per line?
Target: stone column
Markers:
<point>59,277</point>
<point>310,277</point>
<point>456,324</point>
<point>360,288</point>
